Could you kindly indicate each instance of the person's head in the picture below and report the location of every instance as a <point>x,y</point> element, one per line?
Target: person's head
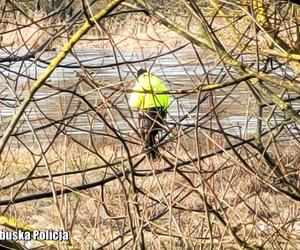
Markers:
<point>140,72</point>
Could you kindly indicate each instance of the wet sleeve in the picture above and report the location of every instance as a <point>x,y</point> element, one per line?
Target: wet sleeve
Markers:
<point>135,99</point>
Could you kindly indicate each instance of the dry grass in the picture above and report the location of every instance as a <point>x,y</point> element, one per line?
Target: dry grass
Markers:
<point>96,216</point>
<point>131,31</point>
<point>206,203</point>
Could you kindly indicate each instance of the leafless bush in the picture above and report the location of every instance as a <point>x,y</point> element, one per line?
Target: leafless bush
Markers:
<point>72,157</point>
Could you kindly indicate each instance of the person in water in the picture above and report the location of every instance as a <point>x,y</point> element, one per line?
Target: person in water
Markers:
<point>150,98</point>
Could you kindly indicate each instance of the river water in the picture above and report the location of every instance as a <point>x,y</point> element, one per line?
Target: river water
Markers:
<point>181,70</point>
